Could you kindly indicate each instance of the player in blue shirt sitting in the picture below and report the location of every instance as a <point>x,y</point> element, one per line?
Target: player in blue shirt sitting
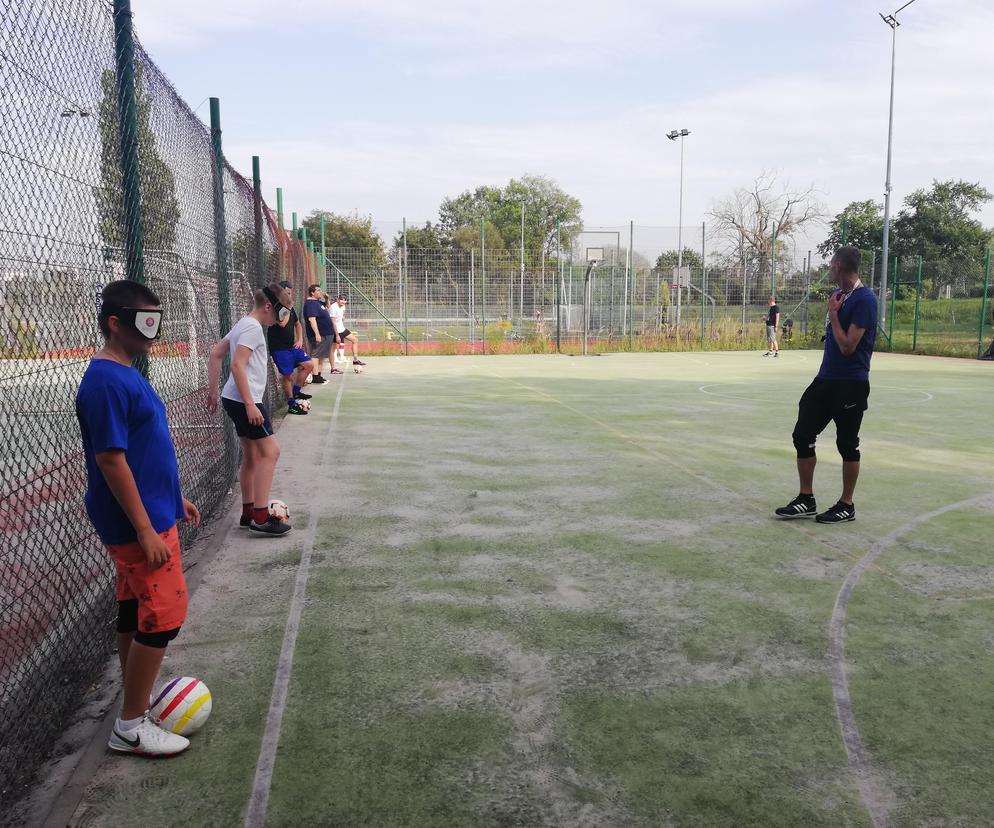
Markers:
<point>839,392</point>
<point>133,499</point>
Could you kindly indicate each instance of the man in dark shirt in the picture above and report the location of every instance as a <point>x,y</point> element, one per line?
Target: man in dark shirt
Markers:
<point>286,341</point>
<point>772,321</point>
<point>320,331</point>
<point>839,392</point>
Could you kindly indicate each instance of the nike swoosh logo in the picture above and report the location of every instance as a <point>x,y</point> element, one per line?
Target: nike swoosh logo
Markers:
<point>131,742</point>
<point>850,406</point>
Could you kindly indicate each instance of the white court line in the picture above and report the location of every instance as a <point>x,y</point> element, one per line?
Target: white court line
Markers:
<point>874,799</point>
<point>926,396</point>
<point>259,799</point>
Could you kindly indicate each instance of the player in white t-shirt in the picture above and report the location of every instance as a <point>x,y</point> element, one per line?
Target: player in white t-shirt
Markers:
<point>342,333</point>
<point>242,400</point>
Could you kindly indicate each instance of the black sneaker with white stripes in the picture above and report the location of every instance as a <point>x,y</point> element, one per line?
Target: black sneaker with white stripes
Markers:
<point>802,506</point>
<point>839,513</point>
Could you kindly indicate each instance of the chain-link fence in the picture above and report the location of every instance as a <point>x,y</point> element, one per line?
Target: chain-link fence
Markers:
<point>454,300</point>
<point>64,224</point>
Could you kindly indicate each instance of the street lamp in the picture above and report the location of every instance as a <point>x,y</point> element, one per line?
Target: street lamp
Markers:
<point>673,135</point>
<point>892,21</point>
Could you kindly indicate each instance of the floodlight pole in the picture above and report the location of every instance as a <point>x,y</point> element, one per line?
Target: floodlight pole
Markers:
<point>673,135</point>
<point>892,21</point>
<point>586,303</point>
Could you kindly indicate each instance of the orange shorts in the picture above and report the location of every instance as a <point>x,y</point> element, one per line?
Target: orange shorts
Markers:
<point>161,593</point>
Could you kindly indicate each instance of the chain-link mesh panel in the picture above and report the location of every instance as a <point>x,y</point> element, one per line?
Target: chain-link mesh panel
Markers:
<point>64,226</point>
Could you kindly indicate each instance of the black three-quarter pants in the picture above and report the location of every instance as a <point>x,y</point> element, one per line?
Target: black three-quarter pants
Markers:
<point>843,401</point>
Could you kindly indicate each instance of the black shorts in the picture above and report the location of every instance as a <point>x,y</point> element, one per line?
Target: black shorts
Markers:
<point>243,428</point>
<point>343,334</point>
<point>843,401</point>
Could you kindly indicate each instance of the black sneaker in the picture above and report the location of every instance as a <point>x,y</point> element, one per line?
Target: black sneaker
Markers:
<point>273,526</point>
<point>358,362</point>
<point>300,395</point>
<point>337,371</point>
<point>776,354</point>
<point>839,513</point>
<point>293,408</point>
<point>317,379</point>
<point>801,506</point>
<point>244,522</point>
<point>768,353</point>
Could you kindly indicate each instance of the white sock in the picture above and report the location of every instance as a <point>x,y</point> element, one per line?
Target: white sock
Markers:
<point>124,725</point>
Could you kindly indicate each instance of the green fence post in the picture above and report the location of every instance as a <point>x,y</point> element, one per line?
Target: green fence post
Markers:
<point>407,334</point>
<point>260,270</point>
<point>983,302</point>
<point>220,230</point>
<point>127,122</point>
<point>559,286</point>
<point>893,300</point>
<point>483,271</point>
<point>293,217</point>
<point>918,302</point>
<point>279,219</point>
<point>703,283</point>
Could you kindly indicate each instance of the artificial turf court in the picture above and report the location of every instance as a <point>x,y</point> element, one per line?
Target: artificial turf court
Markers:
<point>548,591</point>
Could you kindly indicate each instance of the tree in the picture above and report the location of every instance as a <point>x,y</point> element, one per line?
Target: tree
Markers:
<point>747,217</point>
<point>862,224</point>
<point>668,259</point>
<point>935,223</point>
<point>467,237</point>
<point>545,205</point>
<point>428,237</point>
<point>353,231</point>
<point>157,184</point>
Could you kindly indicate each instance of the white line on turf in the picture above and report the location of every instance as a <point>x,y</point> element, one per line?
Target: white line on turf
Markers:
<point>255,817</point>
<point>875,800</point>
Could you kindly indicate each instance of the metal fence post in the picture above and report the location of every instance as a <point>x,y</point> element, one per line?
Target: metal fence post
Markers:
<point>483,269</point>
<point>983,302</point>
<point>918,302</point>
<point>704,283</point>
<point>407,335</point>
<point>260,271</point>
<point>220,230</point>
<point>559,286</point>
<point>127,118</point>
<point>893,299</point>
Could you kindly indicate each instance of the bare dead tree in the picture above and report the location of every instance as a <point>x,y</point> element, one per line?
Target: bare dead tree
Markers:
<point>745,219</point>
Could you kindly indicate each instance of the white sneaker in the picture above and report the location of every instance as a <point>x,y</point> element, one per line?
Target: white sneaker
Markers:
<point>148,739</point>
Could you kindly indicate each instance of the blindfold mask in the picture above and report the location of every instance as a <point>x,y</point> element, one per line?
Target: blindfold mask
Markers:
<point>282,312</point>
<point>147,322</point>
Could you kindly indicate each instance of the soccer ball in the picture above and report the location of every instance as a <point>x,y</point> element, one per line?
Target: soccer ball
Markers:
<point>278,509</point>
<point>304,405</point>
<point>357,369</point>
<point>181,705</point>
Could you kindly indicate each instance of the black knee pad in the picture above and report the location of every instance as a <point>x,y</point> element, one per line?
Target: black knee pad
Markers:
<point>848,448</point>
<point>159,640</point>
<point>805,444</point>
<point>127,616</point>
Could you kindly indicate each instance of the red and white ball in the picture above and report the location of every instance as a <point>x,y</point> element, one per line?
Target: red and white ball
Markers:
<point>181,705</point>
<point>278,509</point>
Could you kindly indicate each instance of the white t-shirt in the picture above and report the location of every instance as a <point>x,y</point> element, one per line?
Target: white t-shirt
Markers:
<point>248,332</point>
<point>337,316</point>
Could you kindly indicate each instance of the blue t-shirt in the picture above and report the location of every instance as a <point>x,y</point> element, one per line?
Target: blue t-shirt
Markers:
<point>859,309</point>
<point>315,308</point>
<point>118,409</point>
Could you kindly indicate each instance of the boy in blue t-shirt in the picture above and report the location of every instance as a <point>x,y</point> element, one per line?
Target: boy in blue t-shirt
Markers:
<point>839,392</point>
<point>133,499</point>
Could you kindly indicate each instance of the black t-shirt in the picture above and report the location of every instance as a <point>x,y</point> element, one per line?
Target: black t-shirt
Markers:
<point>281,339</point>
<point>772,318</point>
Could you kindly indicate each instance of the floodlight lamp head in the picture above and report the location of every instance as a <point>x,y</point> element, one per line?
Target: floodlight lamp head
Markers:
<point>890,20</point>
<point>685,132</point>
<point>673,135</point>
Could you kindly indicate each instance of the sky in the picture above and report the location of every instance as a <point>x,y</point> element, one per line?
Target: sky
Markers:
<point>386,107</point>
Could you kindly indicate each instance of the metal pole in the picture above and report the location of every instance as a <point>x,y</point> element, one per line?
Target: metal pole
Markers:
<point>260,270</point>
<point>893,299</point>
<point>220,230</point>
<point>704,282</point>
<point>407,337</point>
<point>773,263</point>
<point>983,302</point>
<point>279,206</point>
<point>472,301</point>
<point>127,116</point>
<point>324,255</point>
<point>918,302</point>
<point>559,286</point>
<point>483,268</point>
<point>294,217</point>
<point>887,184</point>
<point>679,245</point>
<point>521,299</point>
<point>630,292</point>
